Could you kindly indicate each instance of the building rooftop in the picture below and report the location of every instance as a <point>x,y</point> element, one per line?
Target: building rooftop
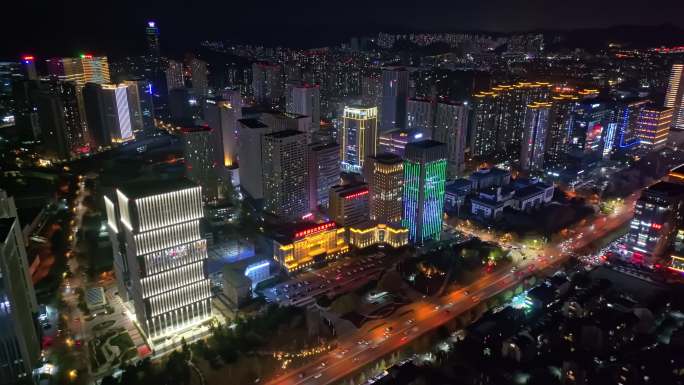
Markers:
<point>146,187</point>
<point>387,158</point>
<point>429,143</point>
<point>284,134</point>
<point>323,146</point>
<point>252,123</point>
<point>665,188</point>
<point>192,129</point>
<point>528,191</point>
<point>486,172</point>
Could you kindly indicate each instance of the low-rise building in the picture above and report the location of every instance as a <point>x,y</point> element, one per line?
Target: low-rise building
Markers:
<point>300,246</point>
<point>455,195</point>
<point>488,177</point>
<point>371,234</point>
<point>523,196</point>
<point>237,287</point>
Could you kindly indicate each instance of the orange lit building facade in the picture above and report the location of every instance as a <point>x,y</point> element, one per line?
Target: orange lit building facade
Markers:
<point>309,245</point>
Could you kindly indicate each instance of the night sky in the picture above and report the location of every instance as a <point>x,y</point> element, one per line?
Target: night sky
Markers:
<point>65,27</point>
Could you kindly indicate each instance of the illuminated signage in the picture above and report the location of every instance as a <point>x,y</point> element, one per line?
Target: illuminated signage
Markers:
<point>356,194</point>
<point>316,229</point>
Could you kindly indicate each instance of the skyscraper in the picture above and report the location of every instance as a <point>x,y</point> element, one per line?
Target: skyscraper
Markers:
<point>251,134</point>
<point>484,131</point>
<point>560,122</point>
<point>385,177</point>
<point>59,116</point>
<point>395,85</point>
<point>653,127</point>
<point>535,129</point>
<point>221,115</point>
<point>174,76</point>
<point>267,84</point>
<point>120,109</point>
<point>198,77</point>
<point>199,152</point>
<point>359,136</point>
<point>284,173</point>
<point>423,196</point>
<point>152,35</point>
<point>145,101</point>
<point>420,116</point>
<point>450,128</point>
<point>323,172</point>
<point>349,204</point>
<point>304,99</point>
<point>28,63</point>
<point>160,255</point>
<point>19,341</point>
<point>674,98</point>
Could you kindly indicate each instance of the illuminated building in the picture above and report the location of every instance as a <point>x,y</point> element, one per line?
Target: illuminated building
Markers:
<point>385,176</point>
<point>198,77</point>
<point>423,196</point>
<point>304,99</point>
<point>112,109</point>
<point>589,127</point>
<point>223,117</point>
<point>657,214</point>
<point>324,172</point>
<point>349,204</point>
<point>395,85</point>
<point>152,34</point>
<point>420,115</point>
<point>674,98</point>
<point>394,142</point>
<point>359,137</point>
<point>19,340</point>
<point>653,127</point>
<point>377,234</point>
<point>199,153</point>
<point>483,137</point>
<point>159,254</point>
<point>60,118</point>
<point>450,128</point>
<point>279,121</point>
<point>28,63</point>
<point>535,129</point>
<point>81,70</point>
<point>677,263</point>
<point>174,76</point>
<point>303,246</point>
<point>560,122</point>
<point>284,172</point>
<point>267,84</point>
<point>143,97</point>
<point>251,134</point>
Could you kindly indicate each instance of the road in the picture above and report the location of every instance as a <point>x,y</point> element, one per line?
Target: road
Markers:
<point>368,345</point>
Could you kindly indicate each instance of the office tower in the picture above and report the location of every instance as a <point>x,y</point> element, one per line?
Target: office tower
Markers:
<point>535,129</point>
<point>395,85</point>
<point>359,136</point>
<point>19,340</point>
<point>590,123</point>
<point>657,214</point>
<point>120,110</point>
<point>160,255</point>
<point>450,128</point>
<point>484,132</point>
<point>174,76</point>
<point>59,117</point>
<point>284,172</point>
<point>420,116</point>
<point>198,77</point>
<point>141,90</point>
<point>179,104</point>
<point>222,116</point>
<point>304,99</point>
<point>626,115</point>
<point>323,172</point>
<point>200,159</point>
<point>26,117</point>
<point>267,84</point>
<point>423,196</point>
<point>674,98</point>
<point>653,127</point>
<point>560,121</point>
<point>152,35</point>
<point>251,133</point>
<point>349,204</point>
<point>288,121</point>
<point>385,176</point>
<point>28,64</point>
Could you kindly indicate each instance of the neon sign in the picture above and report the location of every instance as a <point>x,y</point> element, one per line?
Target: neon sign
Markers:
<point>314,230</point>
<point>356,194</point>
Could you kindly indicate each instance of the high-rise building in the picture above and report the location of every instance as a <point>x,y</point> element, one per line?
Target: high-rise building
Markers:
<point>395,85</point>
<point>420,116</point>
<point>121,106</point>
<point>267,84</point>
<point>59,117</point>
<point>284,172</point>
<point>198,77</point>
<point>589,127</point>
<point>450,128</point>
<point>141,90</point>
<point>251,134</point>
<point>19,340</point>
<point>425,164</point>
<point>625,116</point>
<point>323,172</point>
<point>653,127</point>
<point>657,215</point>
<point>199,152</point>
<point>560,122</point>
<point>359,136</point>
<point>535,129</point>
<point>160,255</point>
<point>349,204</point>
<point>484,127</point>
<point>385,176</point>
<point>674,98</point>
<point>175,78</point>
<point>28,64</point>
<point>152,35</point>
<point>304,99</point>
<point>223,116</point>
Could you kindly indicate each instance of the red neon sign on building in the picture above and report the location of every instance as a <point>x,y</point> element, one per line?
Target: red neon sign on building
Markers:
<point>315,229</point>
<point>356,194</point>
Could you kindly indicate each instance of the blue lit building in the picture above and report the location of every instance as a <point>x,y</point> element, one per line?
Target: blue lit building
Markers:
<point>424,182</point>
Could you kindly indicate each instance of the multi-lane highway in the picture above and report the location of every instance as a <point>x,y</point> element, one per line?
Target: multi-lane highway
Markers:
<point>372,342</point>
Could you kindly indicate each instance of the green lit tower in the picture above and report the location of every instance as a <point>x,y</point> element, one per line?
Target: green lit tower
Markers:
<point>425,165</point>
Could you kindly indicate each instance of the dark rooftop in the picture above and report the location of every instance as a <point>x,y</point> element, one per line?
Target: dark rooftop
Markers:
<point>252,123</point>
<point>387,158</point>
<point>665,188</point>
<point>191,129</point>
<point>323,146</point>
<point>284,134</point>
<point>146,187</point>
<point>428,143</point>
